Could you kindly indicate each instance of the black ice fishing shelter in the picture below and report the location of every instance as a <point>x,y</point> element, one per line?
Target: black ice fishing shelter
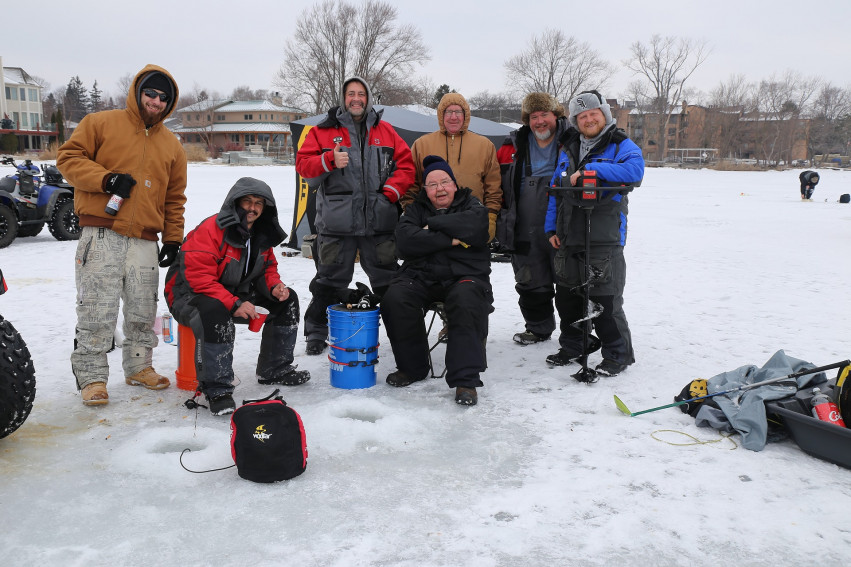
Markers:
<point>408,124</point>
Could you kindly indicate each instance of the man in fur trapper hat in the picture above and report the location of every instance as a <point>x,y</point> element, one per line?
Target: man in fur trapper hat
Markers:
<point>539,102</point>
<point>592,143</point>
<point>521,224</point>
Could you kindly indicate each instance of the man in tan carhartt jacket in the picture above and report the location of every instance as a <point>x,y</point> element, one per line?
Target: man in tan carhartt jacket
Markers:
<point>129,158</point>
<point>472,157</point>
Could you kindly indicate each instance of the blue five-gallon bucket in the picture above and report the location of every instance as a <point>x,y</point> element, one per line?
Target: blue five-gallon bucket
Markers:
<point>353,342</point>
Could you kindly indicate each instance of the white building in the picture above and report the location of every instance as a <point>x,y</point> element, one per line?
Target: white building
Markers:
<point>21,111</point>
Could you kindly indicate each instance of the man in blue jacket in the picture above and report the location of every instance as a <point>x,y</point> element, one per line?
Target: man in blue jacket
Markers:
<point>593,143</point>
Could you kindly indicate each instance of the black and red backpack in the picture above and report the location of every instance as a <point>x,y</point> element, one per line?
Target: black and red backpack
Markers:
<point>268,443</point>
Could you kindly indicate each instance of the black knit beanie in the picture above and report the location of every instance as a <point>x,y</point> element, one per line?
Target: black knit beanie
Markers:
<point>156,80</point>
<point>433,163</point>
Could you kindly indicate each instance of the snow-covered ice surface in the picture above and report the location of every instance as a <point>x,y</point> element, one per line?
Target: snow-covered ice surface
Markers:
<point>724,269</point>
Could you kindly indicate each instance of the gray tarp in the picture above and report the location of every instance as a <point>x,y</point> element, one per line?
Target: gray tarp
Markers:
<point>744,411</point>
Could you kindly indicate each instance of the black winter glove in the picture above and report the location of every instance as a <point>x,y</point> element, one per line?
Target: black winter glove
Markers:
<point>168,254</point>
<point>120,184</point>
<point>361,297</point>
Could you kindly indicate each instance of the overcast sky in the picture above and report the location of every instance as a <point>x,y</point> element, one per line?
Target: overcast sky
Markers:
<point>218,44</point>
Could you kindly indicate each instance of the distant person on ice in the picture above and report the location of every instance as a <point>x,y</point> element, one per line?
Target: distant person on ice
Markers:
<point>225,269</point>
<point>809,180</point>
<point>593,143</point>
<point>113,155</point>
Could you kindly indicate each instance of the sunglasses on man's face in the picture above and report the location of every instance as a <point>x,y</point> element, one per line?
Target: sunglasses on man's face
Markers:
<point>151,93</point>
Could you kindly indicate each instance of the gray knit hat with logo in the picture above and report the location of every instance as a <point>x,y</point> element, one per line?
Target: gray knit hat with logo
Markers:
<point>588,100</point>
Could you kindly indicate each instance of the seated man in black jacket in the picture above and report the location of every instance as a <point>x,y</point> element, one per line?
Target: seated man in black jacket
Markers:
<point>442,238</point>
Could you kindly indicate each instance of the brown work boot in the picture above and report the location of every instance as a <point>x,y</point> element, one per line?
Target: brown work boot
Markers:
<point>149,379</point>
<point>94,394</point>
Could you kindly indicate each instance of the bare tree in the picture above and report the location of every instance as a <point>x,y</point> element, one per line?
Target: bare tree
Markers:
<point>500,107</point>
<point>734,92</point>
<point>196,94</point>
<point>244,92</point>
<point>406,91</point>
<point>401,92</point>
<point>640,99</point>
<point>43,83</point>
<point>123,85</point>
<point>831,103</point>
<point>780,104</point>
<point>728,102</point>
<point>558,65</point>
<point>335,40</point>
<point>831,119</point>
<point>489,101</point>
<point>665,64</point>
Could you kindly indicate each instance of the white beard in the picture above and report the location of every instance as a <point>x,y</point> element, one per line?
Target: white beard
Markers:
<point>543,136</point>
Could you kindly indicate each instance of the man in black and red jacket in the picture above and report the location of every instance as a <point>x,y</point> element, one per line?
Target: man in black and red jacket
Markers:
<point>226,268</point>
<point>361,167</point>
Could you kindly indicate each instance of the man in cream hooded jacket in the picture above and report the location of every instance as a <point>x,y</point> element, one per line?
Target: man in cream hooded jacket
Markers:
<point>472,157</point>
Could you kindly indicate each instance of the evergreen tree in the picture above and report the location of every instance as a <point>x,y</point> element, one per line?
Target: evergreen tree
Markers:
<point>49,106</point>
<point>60,125</point>
<point>9,143</point>
<point>441,90</point>
<point>76,99</point>
<point>95,98</point>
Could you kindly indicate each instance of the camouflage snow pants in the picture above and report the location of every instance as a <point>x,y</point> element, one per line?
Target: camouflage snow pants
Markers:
<point>111,268</point>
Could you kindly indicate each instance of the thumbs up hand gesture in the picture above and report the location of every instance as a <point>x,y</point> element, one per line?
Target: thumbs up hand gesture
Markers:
<point>341,157</point>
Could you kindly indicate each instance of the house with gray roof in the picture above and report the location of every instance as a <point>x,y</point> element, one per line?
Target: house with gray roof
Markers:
<point>232,125</point>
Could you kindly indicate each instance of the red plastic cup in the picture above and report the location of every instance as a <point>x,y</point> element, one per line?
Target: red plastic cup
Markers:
<point>257,324</point>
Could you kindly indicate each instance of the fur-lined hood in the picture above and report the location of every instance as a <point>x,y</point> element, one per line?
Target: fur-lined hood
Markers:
<point>448,100</point>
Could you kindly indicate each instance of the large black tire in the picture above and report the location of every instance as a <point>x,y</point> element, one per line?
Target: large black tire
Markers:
<point>29,229</point>
<point>8,226</point>
<point>17,379</point>
<point>64,223</point>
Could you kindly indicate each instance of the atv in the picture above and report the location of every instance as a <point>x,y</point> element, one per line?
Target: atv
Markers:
<point>17,376</point>
<point>30,199</point>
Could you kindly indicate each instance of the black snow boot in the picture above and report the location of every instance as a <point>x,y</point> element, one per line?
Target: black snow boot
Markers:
<point>609,367</point>
<point>564,357</point>
<point>274,364</point>
<point>221,404</point>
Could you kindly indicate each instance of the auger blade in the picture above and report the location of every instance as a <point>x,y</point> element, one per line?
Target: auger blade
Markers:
<point>622,406</point>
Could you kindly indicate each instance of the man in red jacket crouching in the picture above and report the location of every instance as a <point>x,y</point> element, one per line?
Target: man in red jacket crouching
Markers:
<point>226,268</point>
